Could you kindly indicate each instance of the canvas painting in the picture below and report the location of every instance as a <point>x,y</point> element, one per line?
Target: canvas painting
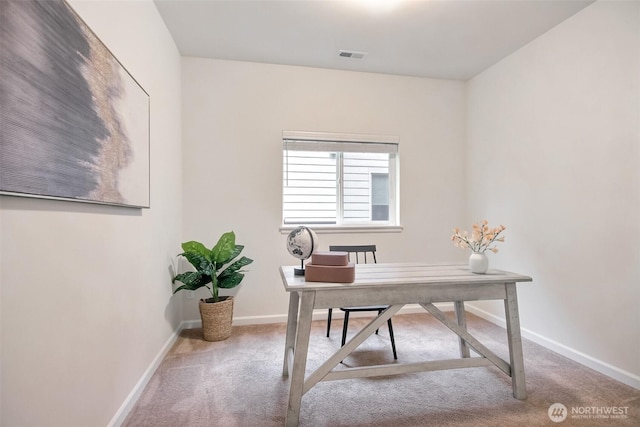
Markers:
<point>74,124</point>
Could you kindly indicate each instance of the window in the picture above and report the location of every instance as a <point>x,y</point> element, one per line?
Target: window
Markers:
<point>339,180</point>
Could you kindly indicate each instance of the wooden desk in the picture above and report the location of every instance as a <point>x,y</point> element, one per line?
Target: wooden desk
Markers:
<point>397,285</point>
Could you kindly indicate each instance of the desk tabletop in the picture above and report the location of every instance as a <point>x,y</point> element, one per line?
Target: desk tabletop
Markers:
<point>376,275</point>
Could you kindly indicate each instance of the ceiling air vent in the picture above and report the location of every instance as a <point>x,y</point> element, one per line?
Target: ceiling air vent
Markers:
<point>352,54</point>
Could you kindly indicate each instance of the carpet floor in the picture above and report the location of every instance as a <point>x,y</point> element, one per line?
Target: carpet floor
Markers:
<point>239,382</point>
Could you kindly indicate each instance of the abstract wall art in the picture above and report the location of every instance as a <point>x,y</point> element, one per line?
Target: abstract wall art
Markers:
<point>74,124</point>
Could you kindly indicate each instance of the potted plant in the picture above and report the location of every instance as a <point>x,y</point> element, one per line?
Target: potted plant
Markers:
<point>215,268</point>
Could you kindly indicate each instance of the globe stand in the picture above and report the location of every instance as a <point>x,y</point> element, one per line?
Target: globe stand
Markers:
<point>301,243</point>
<point>299,271</point>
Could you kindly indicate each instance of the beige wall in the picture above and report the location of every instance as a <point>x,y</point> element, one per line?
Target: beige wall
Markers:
<point>85,289</point>
<point>234,114</point>
<point>554,154</point>
<point>544,142</point>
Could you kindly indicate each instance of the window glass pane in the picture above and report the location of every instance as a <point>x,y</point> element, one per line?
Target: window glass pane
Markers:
<point>309,187</point>
<point>358,170</point>
<point>380,196</point>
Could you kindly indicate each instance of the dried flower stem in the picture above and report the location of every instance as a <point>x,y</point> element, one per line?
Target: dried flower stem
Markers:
<point>481,239</point>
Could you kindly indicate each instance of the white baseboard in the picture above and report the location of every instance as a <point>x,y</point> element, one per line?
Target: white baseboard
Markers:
<point>611,371</point>
<point>137,390</point>
<point>317,315</point>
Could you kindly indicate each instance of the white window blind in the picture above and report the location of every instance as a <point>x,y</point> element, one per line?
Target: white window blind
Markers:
<point>339,179</point>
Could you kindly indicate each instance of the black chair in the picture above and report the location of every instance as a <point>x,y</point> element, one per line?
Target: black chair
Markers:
<point>360,252</point>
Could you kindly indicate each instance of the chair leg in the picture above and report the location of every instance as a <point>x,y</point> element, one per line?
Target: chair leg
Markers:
<point>329,322</point>
<point>393,341</point>
<point>345,325</point>
<point>379,311</point>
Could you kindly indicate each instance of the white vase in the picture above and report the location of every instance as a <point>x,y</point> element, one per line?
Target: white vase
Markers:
<point>478,262</point>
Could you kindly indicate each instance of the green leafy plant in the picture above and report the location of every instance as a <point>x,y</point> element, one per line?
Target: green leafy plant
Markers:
<point>216,268</point>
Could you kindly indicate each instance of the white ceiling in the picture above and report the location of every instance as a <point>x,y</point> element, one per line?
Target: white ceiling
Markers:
<point>451,39</point>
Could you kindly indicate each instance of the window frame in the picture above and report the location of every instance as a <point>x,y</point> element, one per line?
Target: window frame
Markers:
<point>325,140</point>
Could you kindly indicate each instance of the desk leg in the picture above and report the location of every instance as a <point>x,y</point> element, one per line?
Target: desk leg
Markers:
<point>462,322</point>
<point>292,326</point>
<point>300,359</point>
<point>515,342</point>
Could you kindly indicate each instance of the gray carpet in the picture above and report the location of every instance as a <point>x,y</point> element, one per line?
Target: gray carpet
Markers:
<point>238,382</point>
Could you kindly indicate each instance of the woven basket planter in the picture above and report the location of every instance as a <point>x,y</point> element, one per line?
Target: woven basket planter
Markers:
<point>216,319</point>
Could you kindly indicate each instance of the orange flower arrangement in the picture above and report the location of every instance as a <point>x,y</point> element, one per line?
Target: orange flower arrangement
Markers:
<point>481,239</point>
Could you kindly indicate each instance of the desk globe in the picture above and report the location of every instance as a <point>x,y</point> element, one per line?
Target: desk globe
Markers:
<point>301,243</point>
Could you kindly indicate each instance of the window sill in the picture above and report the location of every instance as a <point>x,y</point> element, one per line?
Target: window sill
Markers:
<point>339,229</point>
